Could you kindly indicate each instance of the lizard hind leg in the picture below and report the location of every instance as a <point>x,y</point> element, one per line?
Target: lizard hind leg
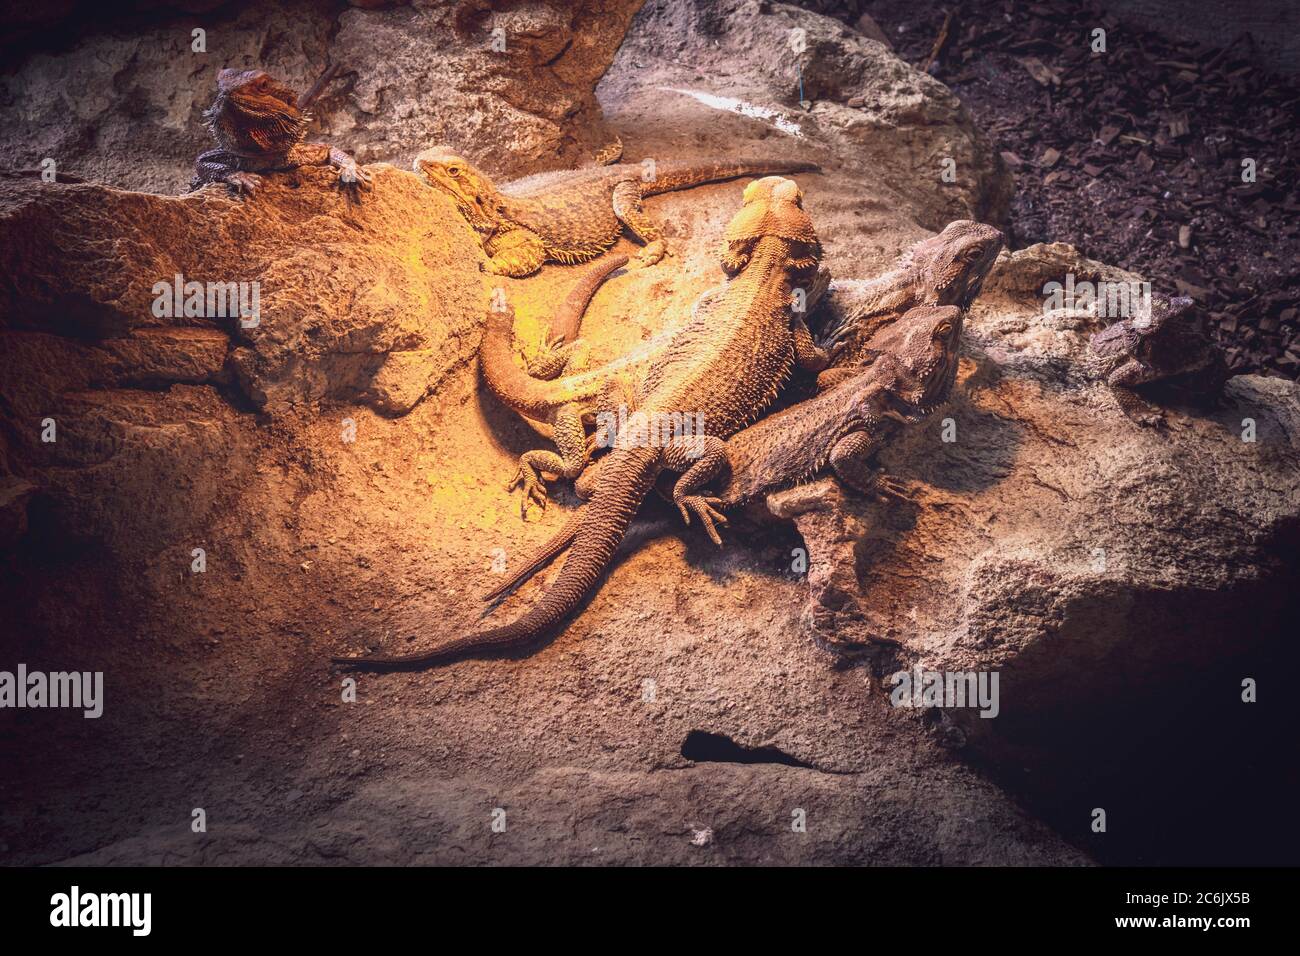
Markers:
<point>571,440</point>
<point>700,458</point>
<point>1137,409</point>
<point>630,211</point>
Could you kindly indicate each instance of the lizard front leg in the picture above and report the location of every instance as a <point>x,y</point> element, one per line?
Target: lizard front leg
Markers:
<point>700,458</point>
<point>807,356</point>
<point>630,210</point>
<point>1134,407</point>
<point>350,174</point>
<point>220,166</point>
<point>850,459</point>
<point>515,253</point>
<point>571,439</point>
<point>321,154</point>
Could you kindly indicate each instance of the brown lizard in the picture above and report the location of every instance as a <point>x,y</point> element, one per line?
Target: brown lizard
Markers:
<point>571,215</point>
<point>1168,345</point>
<point>259,125</point>
<point>723,368</point>
<point>946,269</point>
<point>913,363</point>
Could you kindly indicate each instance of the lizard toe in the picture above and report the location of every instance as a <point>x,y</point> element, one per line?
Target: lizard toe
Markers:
<point>651,254</point>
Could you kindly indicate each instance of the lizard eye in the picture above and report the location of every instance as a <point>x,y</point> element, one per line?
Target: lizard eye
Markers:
<point>453,171</point>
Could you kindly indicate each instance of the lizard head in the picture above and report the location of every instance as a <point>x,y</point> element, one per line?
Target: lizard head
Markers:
<point>255,113</point>
<point>1169,335</point>
<point>468,188</point>
<point>951,266</point>
<point>925,342</point>
<point>771,207</point>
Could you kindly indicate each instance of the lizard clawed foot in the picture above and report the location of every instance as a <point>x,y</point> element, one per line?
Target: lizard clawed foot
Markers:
<point>704,509</point>
<point>886,487</point>
<point>355,176</point>
<point>651,254</point>
<point>534,489</point>
<point>243,184</point>
<point>1149,419</point>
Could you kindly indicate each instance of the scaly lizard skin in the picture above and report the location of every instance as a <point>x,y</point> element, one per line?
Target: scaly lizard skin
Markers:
<point>723,368</point>
<point>557,349</point>
<point>1170,345</point>
<point>947,269</point>
<point>574,215</point>
<point>913,369</point>
<point>259,125</point>
<point>560,408</point>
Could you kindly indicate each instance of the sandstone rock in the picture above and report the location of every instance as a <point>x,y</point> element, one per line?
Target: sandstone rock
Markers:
<point>341,285</point>
<point>1052,534</point>
<point>753,58</point>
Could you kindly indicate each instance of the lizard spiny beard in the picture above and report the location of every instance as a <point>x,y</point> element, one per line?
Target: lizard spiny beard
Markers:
<point>255,124</point>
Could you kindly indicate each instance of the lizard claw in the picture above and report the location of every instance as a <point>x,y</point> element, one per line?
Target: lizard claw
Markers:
<point>243,184</point>
<point>1153,419</point>
<point>355,176</point>
<point>651,254</point>
<point>534,489</point>
<point>886,487</point>
<point>704,509</point>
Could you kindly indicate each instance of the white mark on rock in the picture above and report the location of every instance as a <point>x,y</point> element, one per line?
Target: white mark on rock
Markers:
<point>774,117</point>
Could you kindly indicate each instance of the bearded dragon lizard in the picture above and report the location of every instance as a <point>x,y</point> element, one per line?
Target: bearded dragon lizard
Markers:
<point>723,369</point>
<point>913,366</point>
<point>947,269</point>
<point>1168,345</point>
<point>570,216</point>
<point>562,408</point>
<point>259,125</point>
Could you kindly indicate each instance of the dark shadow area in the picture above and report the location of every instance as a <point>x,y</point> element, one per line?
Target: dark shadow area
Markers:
<point>1187,772</point>
<point>703,747</point>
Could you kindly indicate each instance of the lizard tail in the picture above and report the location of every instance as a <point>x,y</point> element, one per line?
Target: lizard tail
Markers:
<point>568,319</point>
<point>624,482</point>
<point>670,176</point>
<point>539,558</point>
<point>513,385</point>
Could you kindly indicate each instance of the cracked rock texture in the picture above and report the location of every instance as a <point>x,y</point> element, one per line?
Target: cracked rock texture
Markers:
<point>335,510</point>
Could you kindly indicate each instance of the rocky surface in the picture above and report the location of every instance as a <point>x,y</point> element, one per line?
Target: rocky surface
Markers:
<point>1051,539</point>
<point>687,715</point>
<point>372,300</point>
<point>123,106</point>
